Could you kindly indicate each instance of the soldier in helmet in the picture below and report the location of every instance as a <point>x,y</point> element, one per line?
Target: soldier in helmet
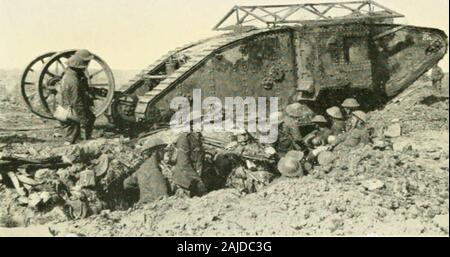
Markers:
<point>358,134</point>
<point>349,105</point>
<point>190,156</point>
<point>320,133</point>
<point>337,120</point>
<point>436,77</point>
<point>74,95</point>
<point>290,132</point>
<point>148,179</point>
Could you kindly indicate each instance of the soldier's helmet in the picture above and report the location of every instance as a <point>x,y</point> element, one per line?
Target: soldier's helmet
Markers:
<point>76,62</point>
<point>319,119</point>
<point>84,54</point>
<point>152,143</point>
<point>289,167</point>
<point>360,115</point>
<point>350,103</point>
<point>335,112</point>
<point>300,112</point>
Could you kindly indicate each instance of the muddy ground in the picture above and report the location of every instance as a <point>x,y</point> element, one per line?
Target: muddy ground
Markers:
<point>365,192</point>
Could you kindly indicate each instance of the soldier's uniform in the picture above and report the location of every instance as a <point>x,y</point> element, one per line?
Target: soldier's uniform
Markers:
<point>74,94</point>
<point>189,163</point>
<point>338,125</point>
<point>349,105</point>
<point>358,134</point>
<point>289,134</point>
<point>436,77</point>
<point>149,179</point>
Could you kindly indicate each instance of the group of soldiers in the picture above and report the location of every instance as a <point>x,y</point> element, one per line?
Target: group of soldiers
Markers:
<point>189,169</point>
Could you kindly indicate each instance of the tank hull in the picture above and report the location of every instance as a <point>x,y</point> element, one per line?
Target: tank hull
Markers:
<point>316,64</point>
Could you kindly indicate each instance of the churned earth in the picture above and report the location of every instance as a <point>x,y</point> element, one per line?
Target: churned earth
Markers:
<point>366,191</point>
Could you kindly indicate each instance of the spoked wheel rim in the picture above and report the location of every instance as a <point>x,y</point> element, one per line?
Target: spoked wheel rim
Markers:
<point>29,85</point>
<point>99,75</point>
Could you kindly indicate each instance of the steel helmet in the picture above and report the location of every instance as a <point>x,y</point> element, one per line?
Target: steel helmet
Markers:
<point>360,115</point>
<point>294,110</point>
<point>301,112</point>
<point>76,62</point>
<point>289,167</point>
<point>332,139</point>
<point>319,119</point>
<point>84,54</point>
<point>335,112</point>
<point>350,103</point>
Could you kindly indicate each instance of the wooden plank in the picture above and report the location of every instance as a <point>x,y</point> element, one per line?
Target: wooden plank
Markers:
<point>16,183</point>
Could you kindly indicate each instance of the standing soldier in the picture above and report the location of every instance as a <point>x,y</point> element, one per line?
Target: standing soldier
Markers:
<point>337,120</point>
<point>349,105</point>
<point>74,95</point>
<point>436,77</point>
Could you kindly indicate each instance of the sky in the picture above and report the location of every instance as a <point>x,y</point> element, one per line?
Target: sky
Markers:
<point>131,34</point>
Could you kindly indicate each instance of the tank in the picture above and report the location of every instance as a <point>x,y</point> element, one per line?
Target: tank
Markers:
<point>316,54</point>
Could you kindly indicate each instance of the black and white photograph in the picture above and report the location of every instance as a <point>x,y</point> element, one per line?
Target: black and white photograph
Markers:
<point>225,118</point>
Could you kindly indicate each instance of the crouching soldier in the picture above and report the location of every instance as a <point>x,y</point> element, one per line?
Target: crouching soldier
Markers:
<point>349,106</point>
<point>317,140</point>
<point>188,169</point>
<point>290,132</point>
<point>148,178</point>
<point>337,120</point>
<point>358,134</point>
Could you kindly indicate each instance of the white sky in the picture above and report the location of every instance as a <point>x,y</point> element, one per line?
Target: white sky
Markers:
<point>131,34</point>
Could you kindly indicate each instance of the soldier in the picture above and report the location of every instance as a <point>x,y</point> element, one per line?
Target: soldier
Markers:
<point>148,178</point>
<point>74,95</point>
<point>190,155</point>
<point>290,133</point>
<point>337,120</point>
<point>321,132</point>
<point>349,105</point>
<point>358,134</point>
<point>436,77</point>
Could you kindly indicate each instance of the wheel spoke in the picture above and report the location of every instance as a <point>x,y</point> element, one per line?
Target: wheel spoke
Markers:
<point>95,73</point>
<point>50,73</point>
<point>62,64</point>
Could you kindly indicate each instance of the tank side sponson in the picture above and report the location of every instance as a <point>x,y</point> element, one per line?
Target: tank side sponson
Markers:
<point>402,54</point>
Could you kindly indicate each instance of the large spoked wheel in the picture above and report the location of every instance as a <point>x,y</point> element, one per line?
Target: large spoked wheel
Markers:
<point>29,85</point>
<point>100,80</point>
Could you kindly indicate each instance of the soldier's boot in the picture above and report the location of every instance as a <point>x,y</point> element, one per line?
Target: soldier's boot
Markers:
<point>72,131</point>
